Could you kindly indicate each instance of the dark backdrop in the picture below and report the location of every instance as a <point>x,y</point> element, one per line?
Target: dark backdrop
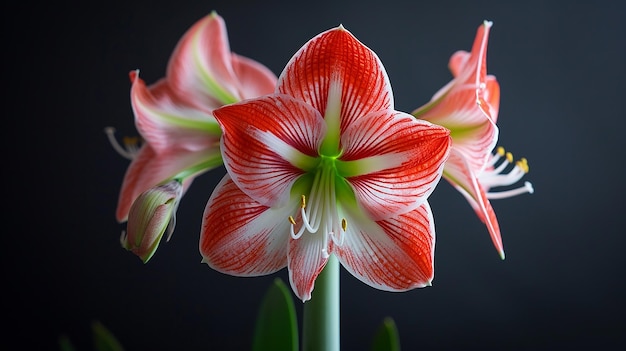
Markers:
<point>561,69</point>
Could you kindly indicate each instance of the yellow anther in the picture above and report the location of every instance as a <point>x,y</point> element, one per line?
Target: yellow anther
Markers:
<point>500,150</point>
<point>344,224</point>
<point>130,140</point>
<point>522,163</point>
<point>291,220</point>
<point>302,201</point>
<point>509,157</point>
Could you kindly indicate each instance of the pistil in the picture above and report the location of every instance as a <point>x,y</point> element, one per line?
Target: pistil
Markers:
<point>321,213</point>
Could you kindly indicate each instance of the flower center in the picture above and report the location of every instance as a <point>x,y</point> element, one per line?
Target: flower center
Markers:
<point>320,215</point>
<point>494,176</point>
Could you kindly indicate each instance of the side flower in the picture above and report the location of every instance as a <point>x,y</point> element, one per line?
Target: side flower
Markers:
<point>174,115</point>
<point>468,106</point>
<point>326,166</point>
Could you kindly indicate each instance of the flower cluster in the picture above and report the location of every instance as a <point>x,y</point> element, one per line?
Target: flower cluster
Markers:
<point>318,160</point>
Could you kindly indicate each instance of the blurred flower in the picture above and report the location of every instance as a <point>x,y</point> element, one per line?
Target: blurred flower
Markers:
<point>468,106</point>
<point>150,216</point>
<point>323,166</point>
<point>174,115</point>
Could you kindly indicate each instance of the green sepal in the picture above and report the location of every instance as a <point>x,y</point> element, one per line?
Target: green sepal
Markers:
<point>276,328</point>
<point>386,337</point>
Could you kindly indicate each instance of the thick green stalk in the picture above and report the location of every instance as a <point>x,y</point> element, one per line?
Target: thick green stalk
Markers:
<point>321,313</point>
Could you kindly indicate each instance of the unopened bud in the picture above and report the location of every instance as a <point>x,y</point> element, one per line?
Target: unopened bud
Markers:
<point>152,214</point>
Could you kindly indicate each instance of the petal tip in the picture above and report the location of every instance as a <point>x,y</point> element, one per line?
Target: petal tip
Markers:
<point>501,252</point>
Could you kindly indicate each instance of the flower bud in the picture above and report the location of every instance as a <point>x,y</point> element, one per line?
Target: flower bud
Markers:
<point>152,214</point>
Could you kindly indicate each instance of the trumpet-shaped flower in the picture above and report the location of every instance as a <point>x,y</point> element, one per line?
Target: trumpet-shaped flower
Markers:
<point>174,115</point>
<point>326,166</point>
<point>468,106</point>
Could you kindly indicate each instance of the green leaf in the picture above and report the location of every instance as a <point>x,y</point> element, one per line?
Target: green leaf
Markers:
<point>276,327</point>
<point>103,339</point>
<point>65,344</point>
<point>386,337</point>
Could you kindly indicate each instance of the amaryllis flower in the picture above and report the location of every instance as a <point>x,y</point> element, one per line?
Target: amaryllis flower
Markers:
<point>468,106</point>
<point>326,166</point>
<point>174,115</point>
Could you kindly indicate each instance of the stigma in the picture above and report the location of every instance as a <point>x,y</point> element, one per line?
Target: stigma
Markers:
<point>131,144</point>
<point>502,171</point>
<point>320,215</point>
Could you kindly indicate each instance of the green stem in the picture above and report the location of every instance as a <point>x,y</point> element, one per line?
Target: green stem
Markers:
<point>321,313</point>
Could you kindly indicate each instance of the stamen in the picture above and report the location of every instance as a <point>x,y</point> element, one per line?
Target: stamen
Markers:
<point>319,216</point>
<point>131,144</point>
<point>495,177</point>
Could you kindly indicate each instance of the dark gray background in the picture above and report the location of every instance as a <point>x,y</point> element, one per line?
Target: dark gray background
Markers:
<point>561,70</point>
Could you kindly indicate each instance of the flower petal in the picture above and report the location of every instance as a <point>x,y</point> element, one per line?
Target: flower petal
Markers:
<point>395,161</point>
<point>200,70</point>
<point>469,104</point>
<point>459,173</point>
<point>472,131</point>
<point>396,254</point>
<point>336,57</point>
<point>472,68</point>
<point>254,78</point>
<point>166,123</point>
<point>149,169</point>
<point>305,262</point>
<point>240,236</point>
<point>267,142</point>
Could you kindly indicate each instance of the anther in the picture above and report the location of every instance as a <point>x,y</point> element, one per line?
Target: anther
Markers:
<point>303,201</point>
<point>523,165</point>
<point>500,151</point>
<point>344,224</point>
<point>130,148</point>
<point>509,157</point>
<point>291,220</point>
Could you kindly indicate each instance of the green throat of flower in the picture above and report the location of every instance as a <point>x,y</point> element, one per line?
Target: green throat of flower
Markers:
<point>324,193</point>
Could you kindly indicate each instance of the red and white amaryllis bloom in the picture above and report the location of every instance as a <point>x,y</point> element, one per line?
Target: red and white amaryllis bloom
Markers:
<point>326,166</point>
<point>468,106</point>
<point>174,115</point>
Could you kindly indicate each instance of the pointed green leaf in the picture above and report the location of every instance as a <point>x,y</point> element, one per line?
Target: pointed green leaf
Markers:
<point>103,339</point>
<point>65,344</point>
<point>276,327</point>
<point>386,337</point>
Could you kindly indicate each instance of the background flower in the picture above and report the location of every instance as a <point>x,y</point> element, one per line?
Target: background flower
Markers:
<point>468,106</point>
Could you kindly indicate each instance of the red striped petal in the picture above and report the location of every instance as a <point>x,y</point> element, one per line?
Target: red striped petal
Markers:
<point>203,71</point>
<point>399,159</point>
<point>472,131</point>
<point>305,263</point>
<point>149,169</point>
<point>336,56</point>
<point>459,173</point>
<point>472,68</point>
<point>166,122</point>
<point>240,236</point>
<point>200,68</point>
<point>254,78</point>
<point>396,254</point>
<point>266,142</point>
